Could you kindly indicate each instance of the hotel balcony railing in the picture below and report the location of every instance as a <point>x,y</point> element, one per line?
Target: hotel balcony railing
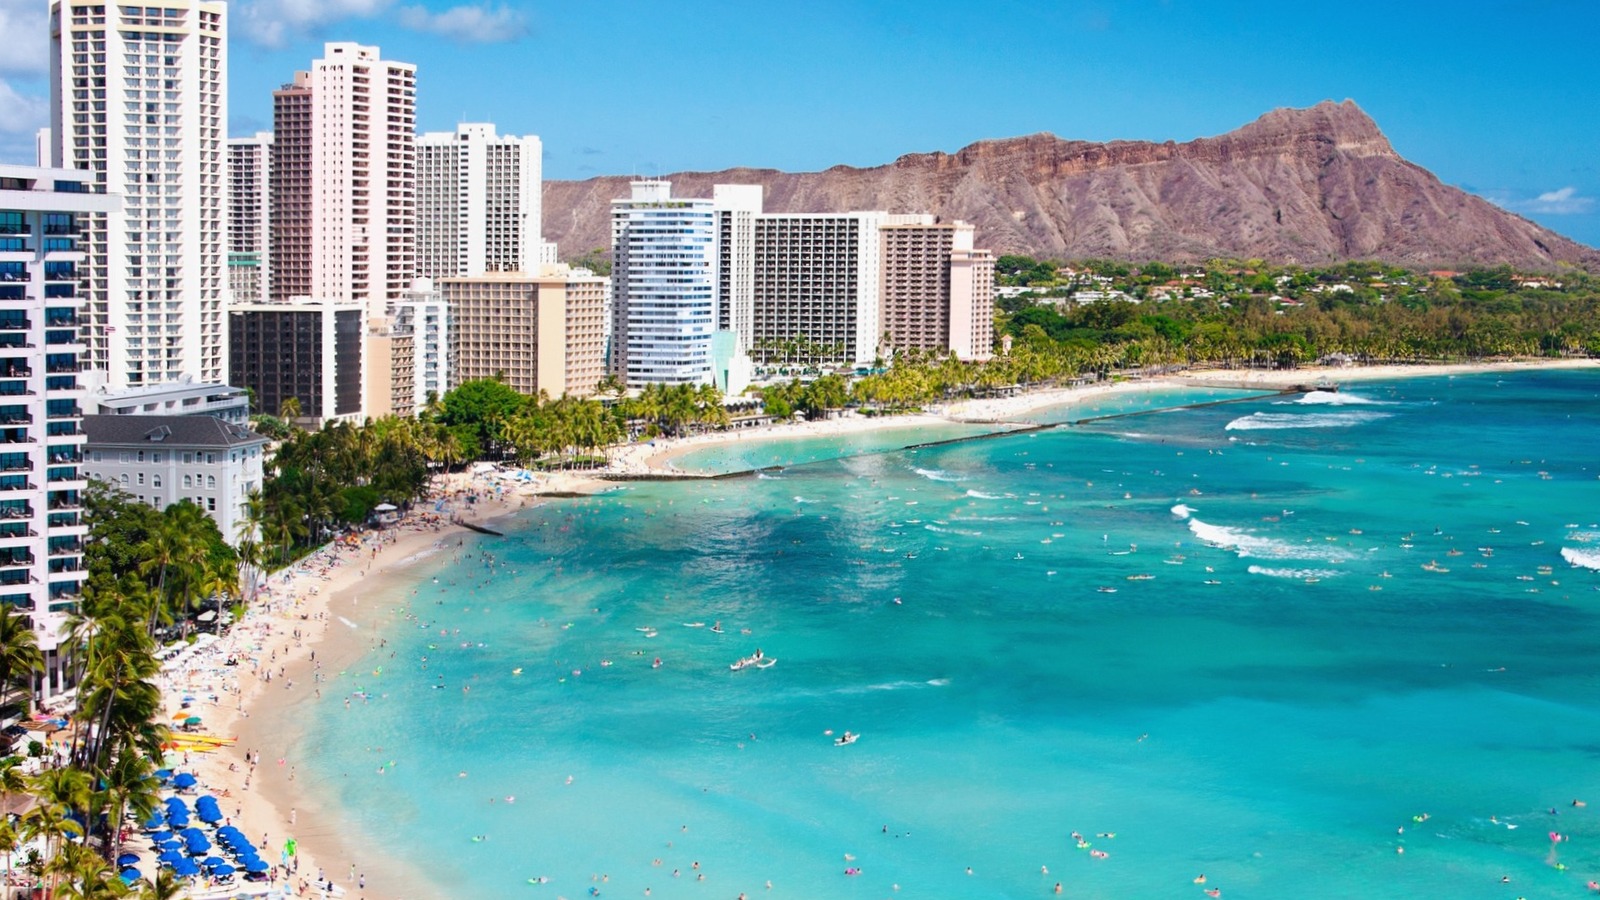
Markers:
<point>16,419</point>
<point>71,548</point>
<point>16,530</point>
<point>13,324</point>
<point>71,412</point>
<point>7,484</point>
<point>8,560</point>
<point>56,504</point>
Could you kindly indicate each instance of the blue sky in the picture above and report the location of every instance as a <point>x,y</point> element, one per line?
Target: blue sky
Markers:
<point>1500,98</point>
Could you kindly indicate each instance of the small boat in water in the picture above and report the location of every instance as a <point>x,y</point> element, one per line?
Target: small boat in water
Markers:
<point>846,738</point>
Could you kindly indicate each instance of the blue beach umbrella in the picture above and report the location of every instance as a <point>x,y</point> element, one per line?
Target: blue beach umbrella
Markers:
<point>171,843</point>
<point>129,876</point>
<point>209,816</point>
<point>211,862</point>
<point>175,801</point>
<point>154,822</point>
<point>185,780</point>
<point>255,864</point>
<point>169,857</point>
<point>128,859</point>
<point>185,868</point>
<point>197,845</point>
<point>160,836</point>
<point>223,871</point>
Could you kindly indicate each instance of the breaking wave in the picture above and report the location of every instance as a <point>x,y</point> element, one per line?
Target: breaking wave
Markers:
<point>1588,559</point>
<point>1181,511</point>
<point>939,475</point>
<point>1247,545</point>
<point>1299,574</point>
<point>1261,421</point>
<point>1334,398</point>
<point>983,496</point>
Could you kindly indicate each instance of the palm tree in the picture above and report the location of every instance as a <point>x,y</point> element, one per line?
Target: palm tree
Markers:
<point>20,658</point>
<point>60,792</point>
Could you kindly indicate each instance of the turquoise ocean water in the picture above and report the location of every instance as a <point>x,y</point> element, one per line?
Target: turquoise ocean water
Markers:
<point>1251,640</point>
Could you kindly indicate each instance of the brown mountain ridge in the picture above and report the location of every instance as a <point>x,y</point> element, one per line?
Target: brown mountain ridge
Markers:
<point>1304,186</point>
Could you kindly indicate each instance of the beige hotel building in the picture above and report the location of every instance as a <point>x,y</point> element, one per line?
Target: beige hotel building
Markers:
<point>544,332</point>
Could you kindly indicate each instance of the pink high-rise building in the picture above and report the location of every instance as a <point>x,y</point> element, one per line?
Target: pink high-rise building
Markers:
<point>345,180</point>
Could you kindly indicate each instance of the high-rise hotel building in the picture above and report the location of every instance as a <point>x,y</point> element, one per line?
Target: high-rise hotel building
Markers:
<point>664,286</point>
<point>42,217</point>
<point>344,180</point>
<point>938,290</point>
<point>249,200</point>
<point>478,203</point>
<point>815,298</point>
<point>140,102</point>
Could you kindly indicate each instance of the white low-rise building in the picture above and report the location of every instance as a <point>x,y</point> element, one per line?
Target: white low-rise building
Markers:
<point>161,460</point>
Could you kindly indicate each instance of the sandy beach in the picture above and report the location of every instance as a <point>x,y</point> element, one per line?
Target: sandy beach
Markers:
<point>319,615</point>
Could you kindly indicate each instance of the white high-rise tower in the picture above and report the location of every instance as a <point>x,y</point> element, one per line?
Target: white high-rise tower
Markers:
<point>140,101</point>
<point>664,285</point>
<point>249,199</point>
<point>478,202</point>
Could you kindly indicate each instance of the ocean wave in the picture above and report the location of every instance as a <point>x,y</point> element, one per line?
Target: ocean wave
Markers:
<point>1182,511</point>
<point>939,475</point>
<point>1335,398</point>
<point>960,531</point>
<point>765,477</point>
<point>1246,544</point>
<point>1587,559</point>
<point>1261,421</point>
<point>983,496</point>
<point>1584,537</point>
<point>1299,574</point>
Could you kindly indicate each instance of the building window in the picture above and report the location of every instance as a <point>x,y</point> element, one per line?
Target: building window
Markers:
<point>155,481</point>
<point>211,482</point>
<point>155,457</point>
<point>141,478</point>
<point>97,456</point>
<point>141,457</point>
<point>188,458</point>
<point>211,459</point>
<point>211,504</point>
<point>124,480</point>
<point>188,481</point>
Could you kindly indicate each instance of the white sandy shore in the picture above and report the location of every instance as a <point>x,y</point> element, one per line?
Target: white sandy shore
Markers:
<point>261,699</point>
<point>291,623</point>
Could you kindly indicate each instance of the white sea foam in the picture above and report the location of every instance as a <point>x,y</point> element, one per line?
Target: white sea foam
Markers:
<point>765,477</point>
<point>1262,421</point>
<point>1335,398</point>
<point>1588,559</point>
<point>983,496</point>
<point>1299,574</point>
<point>939,475</point>
<point>1182,511</point>
<point>348,622</point>
<point>1246,544</point>
<point>961,531</point>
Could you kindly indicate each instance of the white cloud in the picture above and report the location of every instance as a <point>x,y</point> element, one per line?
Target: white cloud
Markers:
<point>1560,202</point>
<point>273,23</point>
<point>468,24</point>
<point>22,113</point>
<point>27,24</point>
